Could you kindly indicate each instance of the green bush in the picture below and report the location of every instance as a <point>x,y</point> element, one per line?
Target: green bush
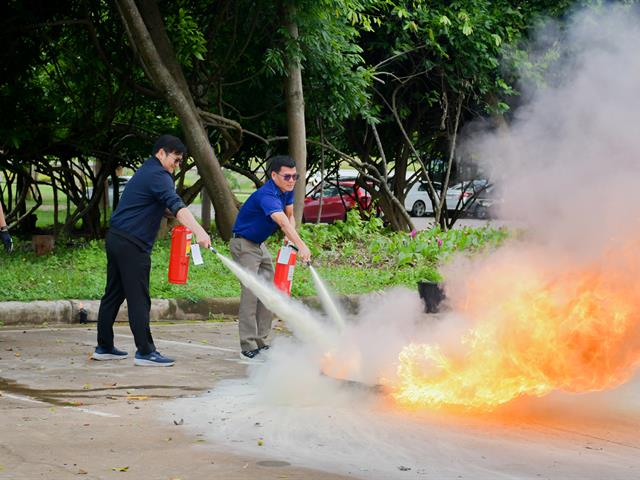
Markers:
<point>354,256</point>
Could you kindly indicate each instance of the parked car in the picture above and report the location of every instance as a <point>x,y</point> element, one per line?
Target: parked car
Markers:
<point>337,199</point>
<point>417,201</point>
<point>343,175</point>
<point>487,203</point>
<point>470,196</point>
<point>122,182</point>
<point>464,195</point>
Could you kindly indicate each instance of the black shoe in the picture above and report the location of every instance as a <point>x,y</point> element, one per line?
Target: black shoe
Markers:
<point>250,354</point>
<point>264,347</point>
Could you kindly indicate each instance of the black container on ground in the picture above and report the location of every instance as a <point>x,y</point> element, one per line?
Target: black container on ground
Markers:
<point>432,294</point>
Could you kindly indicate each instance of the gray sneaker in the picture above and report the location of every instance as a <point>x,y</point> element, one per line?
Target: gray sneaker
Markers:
<point>153,359</point>
<point>102,353</point>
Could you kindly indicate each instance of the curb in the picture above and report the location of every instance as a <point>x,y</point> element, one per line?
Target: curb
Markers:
<point>53,312</point>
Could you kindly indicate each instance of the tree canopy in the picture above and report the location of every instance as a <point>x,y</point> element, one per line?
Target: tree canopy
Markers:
<point>87,85</point>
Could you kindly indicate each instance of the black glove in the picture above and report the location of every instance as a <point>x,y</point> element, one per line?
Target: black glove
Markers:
<point>6,239</point>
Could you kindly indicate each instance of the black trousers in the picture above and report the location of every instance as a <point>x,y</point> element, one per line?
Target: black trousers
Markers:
<point>128,270</point>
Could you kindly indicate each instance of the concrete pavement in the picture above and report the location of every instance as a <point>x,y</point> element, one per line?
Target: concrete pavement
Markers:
<point>64,416</point>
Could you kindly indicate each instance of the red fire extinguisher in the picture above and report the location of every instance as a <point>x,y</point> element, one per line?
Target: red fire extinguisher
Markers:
<point>285,265</point>
<point>179,256</point>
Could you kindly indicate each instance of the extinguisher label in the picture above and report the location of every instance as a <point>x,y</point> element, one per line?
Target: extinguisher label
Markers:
<point>196,256</point>
<point>284,254</point>
<point>189,237</point>
<point>290,275</point>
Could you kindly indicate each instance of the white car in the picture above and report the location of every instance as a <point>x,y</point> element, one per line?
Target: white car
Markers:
<point>122,182</point>
<point>417,201</point>
<point>463,195</point>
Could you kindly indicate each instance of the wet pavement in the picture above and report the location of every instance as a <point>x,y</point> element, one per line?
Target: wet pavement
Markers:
<point>63,415</point>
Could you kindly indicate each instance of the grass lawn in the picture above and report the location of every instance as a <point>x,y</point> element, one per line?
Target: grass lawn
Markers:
<point>352,257</point>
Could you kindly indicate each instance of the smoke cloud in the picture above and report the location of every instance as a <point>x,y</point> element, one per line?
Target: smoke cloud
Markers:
<point>568,163</point>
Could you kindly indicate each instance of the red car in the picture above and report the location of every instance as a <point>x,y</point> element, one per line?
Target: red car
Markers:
<point>337,199</point>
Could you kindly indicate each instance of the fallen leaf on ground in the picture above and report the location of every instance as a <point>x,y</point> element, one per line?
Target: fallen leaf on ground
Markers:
<point>120,469</point>
<point>137,397</point>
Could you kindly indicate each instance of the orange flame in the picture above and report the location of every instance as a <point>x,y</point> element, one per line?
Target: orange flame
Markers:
<point>578,332</point>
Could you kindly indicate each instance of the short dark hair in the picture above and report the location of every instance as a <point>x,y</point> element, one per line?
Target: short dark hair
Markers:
<point>169,144</point>
<point>279,161</point>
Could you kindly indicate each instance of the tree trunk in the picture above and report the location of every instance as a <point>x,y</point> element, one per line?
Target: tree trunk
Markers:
<point>205,210</point>
<point>295,119</point>
<point>149,39</point>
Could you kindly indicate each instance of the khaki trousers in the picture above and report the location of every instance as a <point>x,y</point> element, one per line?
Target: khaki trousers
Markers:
<point>254,320</point>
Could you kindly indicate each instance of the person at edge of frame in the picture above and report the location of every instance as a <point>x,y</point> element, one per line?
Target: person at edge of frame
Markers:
<point>5,237</point>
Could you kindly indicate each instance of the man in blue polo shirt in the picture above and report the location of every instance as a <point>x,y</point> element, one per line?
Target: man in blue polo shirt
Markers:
<point>267,209</point>
<point>133,228</point>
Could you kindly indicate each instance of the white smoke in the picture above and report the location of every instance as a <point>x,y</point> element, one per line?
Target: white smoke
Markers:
<point>569,162</point>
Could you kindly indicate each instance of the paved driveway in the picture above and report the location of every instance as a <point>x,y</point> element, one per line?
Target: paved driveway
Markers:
<point>64,416</point>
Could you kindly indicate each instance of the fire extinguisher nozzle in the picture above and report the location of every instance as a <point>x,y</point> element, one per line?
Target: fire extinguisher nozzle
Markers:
<point>213,250</point>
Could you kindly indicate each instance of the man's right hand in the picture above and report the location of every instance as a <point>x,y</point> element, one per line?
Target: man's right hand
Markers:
<point>6,240</point>
<point>203,238</point>
<point>305,254</point>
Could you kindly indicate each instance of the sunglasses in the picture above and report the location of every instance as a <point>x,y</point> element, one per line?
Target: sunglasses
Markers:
<point>176,159</point>
<point>289,176</point>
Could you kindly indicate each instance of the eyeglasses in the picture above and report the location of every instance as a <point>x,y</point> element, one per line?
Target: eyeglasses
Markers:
<point>289,176</point>
<point>178,160</point>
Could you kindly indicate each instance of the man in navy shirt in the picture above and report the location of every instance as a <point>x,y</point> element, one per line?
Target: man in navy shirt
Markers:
<point>133,228</point>
<point>267,209</point>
